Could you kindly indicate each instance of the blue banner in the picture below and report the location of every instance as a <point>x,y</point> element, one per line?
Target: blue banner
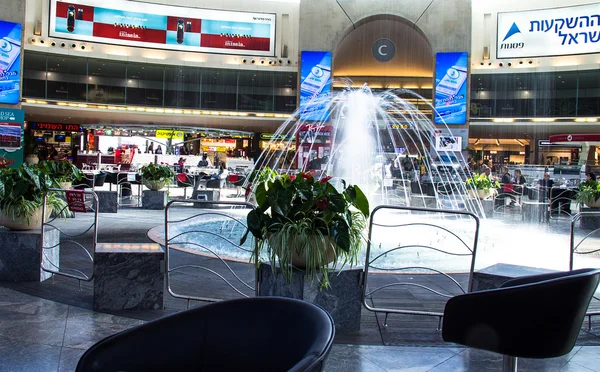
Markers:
<point>10,62</point>
<point>11,137</point>
<point>451,88</point>
<point>315,86</point>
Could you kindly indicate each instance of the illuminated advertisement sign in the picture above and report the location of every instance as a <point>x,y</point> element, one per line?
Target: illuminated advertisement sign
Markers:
<point>162,26</point>
<point>10,62</point>
<point>11,137</point>
<point>549,32</point>
<point>57,127</point>
<point>315,86</point>
<point>451,88</point>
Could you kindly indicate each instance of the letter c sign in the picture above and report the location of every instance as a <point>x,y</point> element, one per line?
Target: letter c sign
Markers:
<point>383,50</point>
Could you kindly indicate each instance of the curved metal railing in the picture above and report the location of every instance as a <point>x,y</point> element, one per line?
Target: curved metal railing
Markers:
<point>87,246</point>
<point>451,243</point>
<point>187,233</point>
<point>589,221</point>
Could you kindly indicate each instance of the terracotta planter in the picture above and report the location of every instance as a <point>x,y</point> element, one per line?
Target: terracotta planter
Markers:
<point>156,185</point>
<point>20,223</point>
<point>299,259</point>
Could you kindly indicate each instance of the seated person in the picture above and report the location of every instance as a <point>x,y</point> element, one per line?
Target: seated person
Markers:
<point>204,161</point>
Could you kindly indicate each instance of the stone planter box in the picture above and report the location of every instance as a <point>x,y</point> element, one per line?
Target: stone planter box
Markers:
<point>107,201</point>
<point>155,200</point>
<point>342,300</point>
<point>589,222</point>
<point>20,254</point>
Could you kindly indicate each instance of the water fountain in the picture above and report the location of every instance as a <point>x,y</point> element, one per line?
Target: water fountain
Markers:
<point>367,130</point>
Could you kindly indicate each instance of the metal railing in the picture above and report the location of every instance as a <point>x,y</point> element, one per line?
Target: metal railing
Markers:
<point>69,239</point>
<point>577,247</point>
<point>189,233</point>
<point>421,228</point>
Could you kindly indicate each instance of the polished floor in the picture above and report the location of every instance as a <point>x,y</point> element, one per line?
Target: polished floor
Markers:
<point>47,326</point>
<point>42,335</point>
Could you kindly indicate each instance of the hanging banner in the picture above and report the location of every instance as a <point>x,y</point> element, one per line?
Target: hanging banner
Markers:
<point>315,86</point>
<point>141,24</point>
<point>549,32</point>
<point>451,88</point>
<point>168,133</point>
<point>10,62</point>
<point>11,137</point>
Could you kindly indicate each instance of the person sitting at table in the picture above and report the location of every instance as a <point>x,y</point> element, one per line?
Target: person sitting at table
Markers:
<point>158,150</point>
<point>545,185</point>
<point>590,176</point>
<point>181,165</point>
<point>150,149</point>
<point>204,161</point>
<point>519,183</point>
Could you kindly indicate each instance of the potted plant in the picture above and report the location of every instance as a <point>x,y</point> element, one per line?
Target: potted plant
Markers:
<point>481,186</point>
<point>31,148</point>
<point>62,172</point>
<point>307,223</point>
<point>589,193</point>
<point>155,177</point>
<point>22,193</point>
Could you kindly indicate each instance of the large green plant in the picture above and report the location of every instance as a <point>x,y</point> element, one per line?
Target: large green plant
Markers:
<point>303,213</point>
<point>589,192</point>
<point>153,172</point>
<point>22,191</point>
<point>482,182</point>
<point>61,171</point>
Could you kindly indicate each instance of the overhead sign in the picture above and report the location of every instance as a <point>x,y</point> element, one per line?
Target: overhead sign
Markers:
<point>76,200</point>
<point>141,24</point>
<point>169,133</point>
<point>383,50</point>
<point>57,127</point>
<point>10,62</point>
<point>549,32</point>
<point>315,86</point>
<point>451,88</point>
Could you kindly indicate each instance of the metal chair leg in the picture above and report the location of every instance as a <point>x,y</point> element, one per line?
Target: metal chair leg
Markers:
<point>509,364</point>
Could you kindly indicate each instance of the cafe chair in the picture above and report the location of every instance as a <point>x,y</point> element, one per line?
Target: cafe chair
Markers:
<point>184,180</point>
<point>86,182</point>
<point>535,316</point>
<point>99,179</point>
<point>249,334</point>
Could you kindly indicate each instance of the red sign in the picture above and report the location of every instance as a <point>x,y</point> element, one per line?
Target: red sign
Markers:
<point>76,200</point>
<point>57,127</point>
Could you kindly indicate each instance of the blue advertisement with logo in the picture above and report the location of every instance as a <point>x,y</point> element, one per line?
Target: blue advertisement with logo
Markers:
<point>315,86</point>
<point>451,88</point>
<point>11,137</point>
<point>10,62</point>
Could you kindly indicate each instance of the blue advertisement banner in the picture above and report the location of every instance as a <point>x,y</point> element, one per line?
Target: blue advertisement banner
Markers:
<point>11,137</point>
<point>315,86</point>
<point>451,88</point>
<point>10,62</point>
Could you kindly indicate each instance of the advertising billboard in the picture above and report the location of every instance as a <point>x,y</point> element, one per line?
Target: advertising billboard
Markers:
<point>451,88</point>
<point>11,137</point>
<point>549,32</point>
<point>315,86</point>
<point>10,62</point>
<point>149,25</point>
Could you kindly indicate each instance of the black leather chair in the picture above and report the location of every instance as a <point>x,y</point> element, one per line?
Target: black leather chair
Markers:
<point>184,180</point>
<point>251,334</point>
<point>530,317</point>
<point>86,182</point>
<point>99,179</point>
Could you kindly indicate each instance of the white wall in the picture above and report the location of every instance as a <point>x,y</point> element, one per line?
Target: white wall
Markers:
<point>38,11</point>
<point>484,25</point>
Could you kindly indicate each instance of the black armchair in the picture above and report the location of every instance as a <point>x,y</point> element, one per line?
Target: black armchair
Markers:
<point>251,334</point>
<point>531,317</point>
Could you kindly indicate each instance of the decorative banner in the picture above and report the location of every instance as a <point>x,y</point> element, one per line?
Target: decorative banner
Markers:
<point>10,62</point>
<point>149,25</point>
<point>549,32</point>
<point>451,88</point>
<point>76,200</point>
<point>11,137</point>
<point>315,86</point>
<point>168,133</point>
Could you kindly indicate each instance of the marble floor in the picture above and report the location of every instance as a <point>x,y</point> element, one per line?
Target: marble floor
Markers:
<point>43,335</point>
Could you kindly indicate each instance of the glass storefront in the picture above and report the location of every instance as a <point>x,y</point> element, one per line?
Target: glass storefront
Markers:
<point>67,78</point>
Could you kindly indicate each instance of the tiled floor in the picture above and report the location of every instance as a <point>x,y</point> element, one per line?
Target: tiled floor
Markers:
<point>46,336</point>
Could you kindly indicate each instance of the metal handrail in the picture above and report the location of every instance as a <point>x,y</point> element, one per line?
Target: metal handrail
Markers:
<point>472,251</point>
<point>57,270</point>
<point>170,244</point>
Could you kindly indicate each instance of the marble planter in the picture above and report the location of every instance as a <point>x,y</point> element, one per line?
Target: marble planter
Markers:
<point>20,254</point>
<point>155,200</point>
<point>342,300</point>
